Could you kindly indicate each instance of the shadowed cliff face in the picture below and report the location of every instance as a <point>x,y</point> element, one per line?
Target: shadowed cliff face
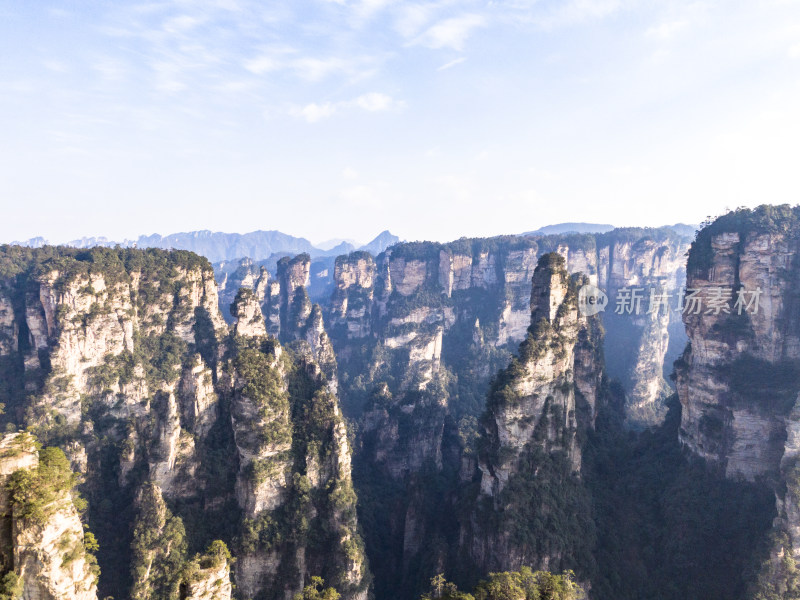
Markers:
<point>538,409</point>
<point>420,330</point>
<point>121,358</point>
<point>640,346</point>
<point>294,483</point>
<point>739,378</point>
<point>467,303</point>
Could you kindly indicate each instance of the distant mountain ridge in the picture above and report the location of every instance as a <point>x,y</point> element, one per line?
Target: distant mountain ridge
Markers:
<point>682,229</point>
<point>560,228</point>
<point>217,246</point>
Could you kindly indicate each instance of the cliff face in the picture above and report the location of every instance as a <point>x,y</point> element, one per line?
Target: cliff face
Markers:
<point>294,483</point>
<point>210,581</point>
<point>641,345</point>
<point>122,358</point>
<point>739,378</point>
<point>419,331</point>
<point>425,298</point>
<point>739,375</point>
<point>105,341</point>
<point>280,307</point>
<point>536,395</point>
<point>115,361</point>
<point>246,274</point>
<point>536,409</point>
<point>42,548</point>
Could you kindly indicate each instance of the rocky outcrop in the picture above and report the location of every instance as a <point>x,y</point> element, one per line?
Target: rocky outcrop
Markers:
<point>122,358</point>
<point>43,545</point>
<point>210,581</point>
<point>289,315</point>
<point>477,291</point>
<point>118,348</point>
<point>420,330</point>
<point>535,410</point>
<point>158,550</point>
<point>246,310</point>
<point>351,303</point>
<point>738,378</point>
<point>294,482</point>
<point>120,352</point>
<point>542,380</point>
<point>295,306</point>
<point>245,275</point>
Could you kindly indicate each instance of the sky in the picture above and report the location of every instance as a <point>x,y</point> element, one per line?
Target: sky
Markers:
<point>435,120</point>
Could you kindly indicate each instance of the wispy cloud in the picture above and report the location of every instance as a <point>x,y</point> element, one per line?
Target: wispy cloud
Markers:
<point>452,32</point>
<point>263,64</point>
<point>375,102</point>
<point>314,112</point>
<point>411,19</point>
<point>316,69</point>
<point>557,15</point>
<point>579,11</point>
<point>452,63</point>
<point>371,102</point>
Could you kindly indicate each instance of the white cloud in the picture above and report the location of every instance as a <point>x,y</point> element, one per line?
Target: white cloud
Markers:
<point>375,102</point>
<point>412,18</point>
<point>315,69</point>
<point>262,64</point>
<point>350,173</point>
<point>182,23</point>
<point>314,112</point>
<point>578,11</point>
<point>235,86</point>
<point>451,33</point>
<point>111,70</point>
<point>452,63</point>
<point>367,8</point>
<point>371,102</point>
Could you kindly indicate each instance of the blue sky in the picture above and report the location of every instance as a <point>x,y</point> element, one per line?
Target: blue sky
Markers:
<point>340,118</point>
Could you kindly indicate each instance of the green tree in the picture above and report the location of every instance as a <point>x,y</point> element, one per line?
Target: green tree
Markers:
<point>315,591</point>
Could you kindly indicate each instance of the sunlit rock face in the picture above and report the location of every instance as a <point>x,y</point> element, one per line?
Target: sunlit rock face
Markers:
<point>740,374</point>
<point>739,378</point>
<point>46,555</point>
<point>122,358</point>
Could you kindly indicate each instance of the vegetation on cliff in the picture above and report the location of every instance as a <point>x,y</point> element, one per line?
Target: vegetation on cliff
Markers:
<point>524,584</point>
<point>42,498</point>
<point>781,219</point>
<point>668,528</point>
